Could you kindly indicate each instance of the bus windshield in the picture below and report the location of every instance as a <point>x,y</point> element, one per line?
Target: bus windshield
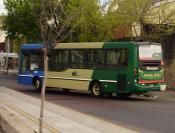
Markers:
<point>31,60</point>
<point>150,52</point>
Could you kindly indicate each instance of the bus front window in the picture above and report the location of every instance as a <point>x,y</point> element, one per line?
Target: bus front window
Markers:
<point>150,52</point>
<point>25,62</point>
<point>31,60</point>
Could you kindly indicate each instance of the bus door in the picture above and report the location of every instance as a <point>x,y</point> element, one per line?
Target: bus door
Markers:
<point>122,65</point>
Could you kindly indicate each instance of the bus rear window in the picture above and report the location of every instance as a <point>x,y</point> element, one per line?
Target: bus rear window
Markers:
<point>150,52</point>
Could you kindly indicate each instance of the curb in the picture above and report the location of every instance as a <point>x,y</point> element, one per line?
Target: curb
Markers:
<point>11,124</point>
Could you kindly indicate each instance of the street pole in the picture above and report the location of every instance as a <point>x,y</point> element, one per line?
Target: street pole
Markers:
<point>8,51</point>
<point>43,91</point>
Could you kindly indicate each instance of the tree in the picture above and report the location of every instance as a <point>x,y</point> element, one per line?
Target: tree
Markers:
<point>43,21</point>
<point>87,29</point>
<point>159,20</point>
<point>125,13</point>
<point>126,16</point>
<point>20,21</point>
<point>2,18</point>
<point>54,24</point>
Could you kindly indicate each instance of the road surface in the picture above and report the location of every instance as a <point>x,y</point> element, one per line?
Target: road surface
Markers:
<point>143,114</point>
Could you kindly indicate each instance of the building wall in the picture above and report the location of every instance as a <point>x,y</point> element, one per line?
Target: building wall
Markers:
<point>2,40</point>
<point>2,46</point>
<point>162,13</point>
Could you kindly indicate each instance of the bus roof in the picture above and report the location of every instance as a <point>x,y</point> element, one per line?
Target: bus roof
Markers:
<point>31,46</point>
<point>147,43</point>
<point>93,45</point>
<point>85,45</point>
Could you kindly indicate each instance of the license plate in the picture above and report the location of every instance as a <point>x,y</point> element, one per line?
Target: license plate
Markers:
<point>152,68</point>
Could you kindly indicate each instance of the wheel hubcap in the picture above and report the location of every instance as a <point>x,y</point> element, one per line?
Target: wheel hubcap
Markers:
<point>96,89</point>
<point>37,83</point>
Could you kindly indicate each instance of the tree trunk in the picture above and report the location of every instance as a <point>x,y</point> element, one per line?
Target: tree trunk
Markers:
<point>43,90</point>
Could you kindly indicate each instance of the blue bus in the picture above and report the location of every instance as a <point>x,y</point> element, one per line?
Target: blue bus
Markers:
<point>31,65</point>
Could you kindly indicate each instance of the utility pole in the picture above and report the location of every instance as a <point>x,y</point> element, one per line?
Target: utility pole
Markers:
<point>43,90</point>
<point>8,51</point>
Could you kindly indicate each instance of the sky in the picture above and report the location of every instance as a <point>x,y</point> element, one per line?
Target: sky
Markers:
<point>103,1</point>
<point>2,9</point>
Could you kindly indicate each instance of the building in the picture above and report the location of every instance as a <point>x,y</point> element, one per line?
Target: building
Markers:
<point>162,12</point>
<point>2,41</point>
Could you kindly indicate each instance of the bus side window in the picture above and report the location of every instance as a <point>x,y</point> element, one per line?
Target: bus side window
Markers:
<point>116,58</point>
<point>64,59</point>
<point>60,60</point>
<point>86,57</point>
<point>53,60</point>
<point>95,59</point>
<point>90,59</point>
<point>98,56</point>
<point>77,58</point>
<point>123,59</point>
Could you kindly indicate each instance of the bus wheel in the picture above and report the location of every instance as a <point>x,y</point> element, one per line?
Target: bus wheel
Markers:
<point>123,95</point>
<point>38,84</point>
<point>96,89</point>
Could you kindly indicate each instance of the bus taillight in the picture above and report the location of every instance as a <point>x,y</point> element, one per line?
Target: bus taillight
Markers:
<point>151,81</point>
<point>162,62</point>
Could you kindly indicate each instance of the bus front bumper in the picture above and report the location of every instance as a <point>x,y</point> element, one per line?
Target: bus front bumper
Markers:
<point>146,88</point>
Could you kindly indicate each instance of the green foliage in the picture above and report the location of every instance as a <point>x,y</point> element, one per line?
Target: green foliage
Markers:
<point>2,18</point>
<point>25,17</point>
<point>20,20</point>
<point>90,16</point>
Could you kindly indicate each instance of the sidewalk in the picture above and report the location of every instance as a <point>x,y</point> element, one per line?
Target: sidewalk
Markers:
<point>57,119</point>
<point>15,72</point>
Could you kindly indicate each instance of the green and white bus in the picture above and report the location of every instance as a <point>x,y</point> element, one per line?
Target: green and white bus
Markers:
<point>123,68</point>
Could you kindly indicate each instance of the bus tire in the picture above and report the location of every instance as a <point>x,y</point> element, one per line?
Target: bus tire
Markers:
<point>123,95</point>
<point>96,89</point>
<point>38,84</point>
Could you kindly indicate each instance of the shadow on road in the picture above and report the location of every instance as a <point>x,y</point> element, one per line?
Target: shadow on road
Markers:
<point>55,93</point>
<point>12,83</point>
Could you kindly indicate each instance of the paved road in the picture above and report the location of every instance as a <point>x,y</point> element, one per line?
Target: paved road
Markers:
<point>139,113</point>
<point>1,130</point>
